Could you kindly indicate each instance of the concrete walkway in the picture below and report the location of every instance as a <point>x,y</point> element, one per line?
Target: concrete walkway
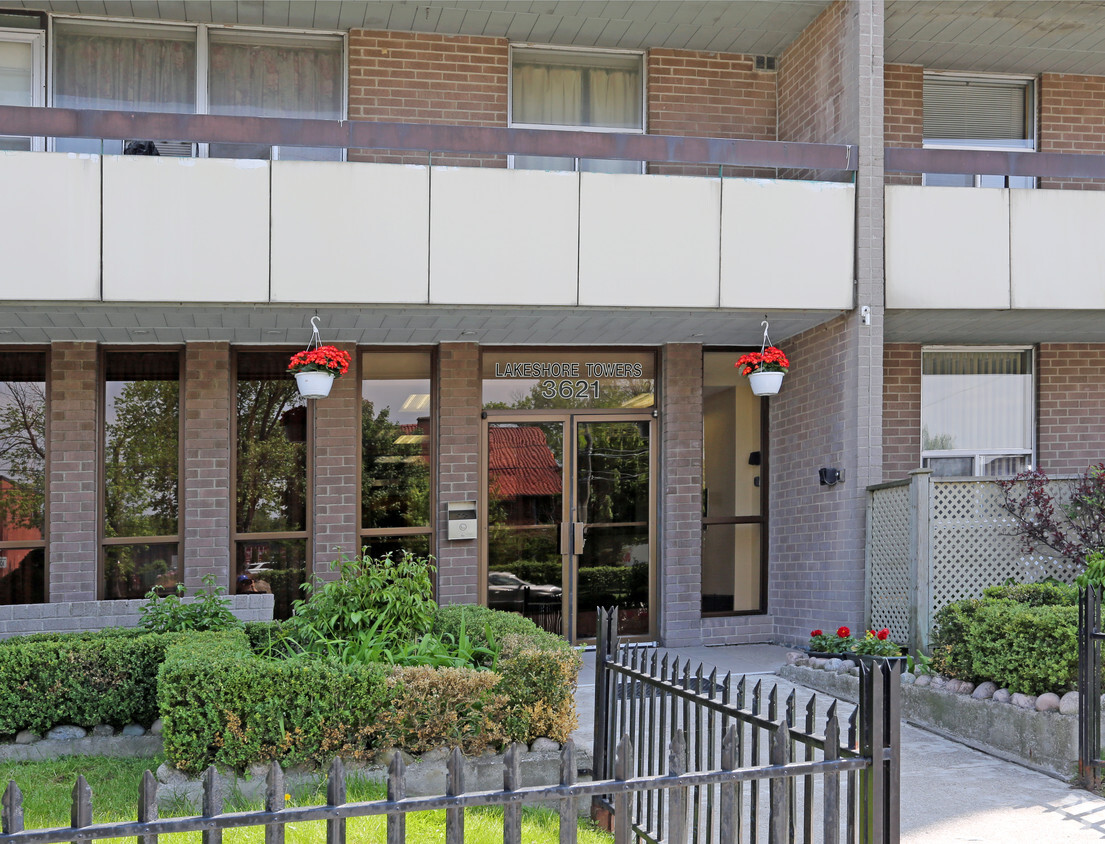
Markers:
<point>950,793</point>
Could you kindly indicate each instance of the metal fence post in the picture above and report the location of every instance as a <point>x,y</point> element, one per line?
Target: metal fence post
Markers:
<point>1089,685</point>
<point>920,559</point>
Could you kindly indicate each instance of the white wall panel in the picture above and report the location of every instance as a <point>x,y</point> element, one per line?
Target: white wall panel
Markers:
<point>185,229</point>
<point>49,226</point>
<point>648,241</point>
<point>505,237</point>
<point>1057,248</point>
<point>787,244</point>
<point>947,247</point>
<point>349,232</point>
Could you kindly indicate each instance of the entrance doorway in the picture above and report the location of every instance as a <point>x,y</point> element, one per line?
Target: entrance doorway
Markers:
<point>568,504</point>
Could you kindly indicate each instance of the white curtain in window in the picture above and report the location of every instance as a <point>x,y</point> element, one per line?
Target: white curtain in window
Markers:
<point>557,88</point>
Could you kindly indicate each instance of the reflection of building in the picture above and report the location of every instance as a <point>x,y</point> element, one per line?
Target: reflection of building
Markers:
<point>523,474</point>
<point>710,166</point>
<point>21,568</point>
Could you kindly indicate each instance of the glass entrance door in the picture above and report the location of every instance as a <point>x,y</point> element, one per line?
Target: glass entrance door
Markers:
<point>567,504</point>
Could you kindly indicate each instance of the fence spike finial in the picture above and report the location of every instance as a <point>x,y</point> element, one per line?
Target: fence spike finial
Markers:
<point>81,812</point>
<point>12,814</point>
<point>147,804</point>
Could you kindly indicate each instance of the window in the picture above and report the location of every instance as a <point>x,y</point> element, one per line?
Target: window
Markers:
<point>979,112</point>
<point>271,547</point>
<point>22,80</point>
<point>396,452</point>
<point>734,560</point>
<point>155,67</point>
<point>576,89</point>
<point>976,411</point>
<point>22,477</point>
<point>141,524</point>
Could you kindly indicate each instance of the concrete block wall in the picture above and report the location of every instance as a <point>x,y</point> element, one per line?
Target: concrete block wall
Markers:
<point>207,506</point>
<point>71,456</point>
<point>1071,406</point>
<point>680,535</point>
<point>901,415</point>
<point>67,616</point>
<point>459,402</point>
<point>336,471</point>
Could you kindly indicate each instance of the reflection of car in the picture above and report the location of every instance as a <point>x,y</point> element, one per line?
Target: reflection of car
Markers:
<point>259,566</point>
<point>506,590</point>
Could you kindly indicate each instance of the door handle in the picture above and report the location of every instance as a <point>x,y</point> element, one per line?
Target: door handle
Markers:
<point>578,539</point>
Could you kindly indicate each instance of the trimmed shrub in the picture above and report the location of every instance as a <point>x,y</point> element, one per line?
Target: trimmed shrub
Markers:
<point>1035,594</point>
<point>104,677</point>
<point>1024,648</point>
<point>951,643</point>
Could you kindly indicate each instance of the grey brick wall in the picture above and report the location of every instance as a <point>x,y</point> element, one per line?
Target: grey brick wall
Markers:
<point>459,400</point>
<point>680,534</point>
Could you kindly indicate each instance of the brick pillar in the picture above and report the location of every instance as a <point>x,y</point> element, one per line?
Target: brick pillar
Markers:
<point>458,447</point>
<point>72,456</point>
<point>207,509</point>
<point>336,473</point>
<point>680,554</point>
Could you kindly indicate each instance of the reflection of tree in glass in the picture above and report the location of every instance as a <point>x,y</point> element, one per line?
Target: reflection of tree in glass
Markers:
<point>23,454</point>
<point>141,451</point>
<point>613,472</point>
<point>395,475</point>
<point>272,457</point>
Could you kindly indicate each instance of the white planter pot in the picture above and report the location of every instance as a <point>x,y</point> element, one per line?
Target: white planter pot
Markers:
<point>765,383</point>
<point>314,385</point>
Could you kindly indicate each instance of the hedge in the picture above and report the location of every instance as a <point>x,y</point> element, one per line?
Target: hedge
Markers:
<point>102,677</point>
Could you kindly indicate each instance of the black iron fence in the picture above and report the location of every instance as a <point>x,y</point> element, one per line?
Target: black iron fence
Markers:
<point>1090,763</point>
<point>774,775</point>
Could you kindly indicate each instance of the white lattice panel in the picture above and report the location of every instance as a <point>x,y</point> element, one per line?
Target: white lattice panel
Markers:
<point>974,545</point>
<point>888,558</point>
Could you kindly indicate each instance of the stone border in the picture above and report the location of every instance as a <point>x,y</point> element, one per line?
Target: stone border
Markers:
<point>102,740</point>
<point>1043,741</point>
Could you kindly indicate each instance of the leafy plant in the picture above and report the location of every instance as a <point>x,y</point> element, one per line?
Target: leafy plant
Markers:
<point>170,614</point>
<point>877,643</point>
<point>918,664</point>
<point>1094,573</point>
<point>836,643</point>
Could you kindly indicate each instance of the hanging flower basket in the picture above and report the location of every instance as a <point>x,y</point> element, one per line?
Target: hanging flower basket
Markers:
<point>765,370</point>
<point>315,369</point>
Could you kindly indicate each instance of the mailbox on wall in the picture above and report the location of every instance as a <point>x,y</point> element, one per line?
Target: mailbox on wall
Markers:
<point>462,519</point>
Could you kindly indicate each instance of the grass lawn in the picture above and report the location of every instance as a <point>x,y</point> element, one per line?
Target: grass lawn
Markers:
<point>47,788</point>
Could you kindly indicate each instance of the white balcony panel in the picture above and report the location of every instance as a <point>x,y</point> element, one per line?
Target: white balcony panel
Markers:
<point>947,247</point>
<point>1057,249</point>
<point>648,241</point>
<point>185,229</point>
<point>786,244</point>
<point>345,232</point>
<point>503,237</point>
<point>49,226</point>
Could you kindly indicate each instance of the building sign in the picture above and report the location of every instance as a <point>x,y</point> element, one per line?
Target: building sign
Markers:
<point>529,380</point>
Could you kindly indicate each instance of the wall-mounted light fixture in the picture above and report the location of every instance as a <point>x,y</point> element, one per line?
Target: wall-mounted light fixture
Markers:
<point>830,477</point>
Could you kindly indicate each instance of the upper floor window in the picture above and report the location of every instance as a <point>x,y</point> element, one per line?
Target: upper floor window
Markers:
<point>576,89</point>
<point>979,112</point>
<point>976,411</point>
<point>204,70</point>
<point>22,76</point>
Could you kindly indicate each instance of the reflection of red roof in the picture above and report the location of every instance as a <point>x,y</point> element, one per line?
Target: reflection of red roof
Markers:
<point>520,462</point>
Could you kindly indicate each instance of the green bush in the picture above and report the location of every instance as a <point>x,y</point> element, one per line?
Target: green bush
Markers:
<point>951,642</point>
<point>104,677</point>
<point>1035,594</point>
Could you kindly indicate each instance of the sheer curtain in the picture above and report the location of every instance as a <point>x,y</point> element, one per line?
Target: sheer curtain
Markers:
<point>16,81</point>
<point>139,68</point>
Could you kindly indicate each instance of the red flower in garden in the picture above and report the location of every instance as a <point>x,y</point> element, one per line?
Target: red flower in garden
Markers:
<point>883,634</point>
<point>815,632</point>
<point>770,359</point>
<point>321,359</point>
<point>843,632</point>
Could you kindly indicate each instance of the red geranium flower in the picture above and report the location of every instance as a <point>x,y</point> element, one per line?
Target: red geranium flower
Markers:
<point>843,632</point>
<point>321,359</point>
<point>815,632</point>
<point>883,634</point>
<point>770,359</point>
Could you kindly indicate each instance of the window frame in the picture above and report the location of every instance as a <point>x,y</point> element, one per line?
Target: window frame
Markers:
<point>202,32</point>
<point>977,455</point>
<point>102,541</point>
<point>642,55</point>
<point>37,39</point>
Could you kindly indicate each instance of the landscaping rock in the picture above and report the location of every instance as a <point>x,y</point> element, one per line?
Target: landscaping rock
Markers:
<point>793,657</point>
<point>103,731</point>
<point>984,691</point>
<point>833,664</point>
<point>853,669</point>
<point>817,662</point>
<point>258,770</point>
<point>156,728</point>
<point>1003,696</point>
<point>939,681</point>
<point>924,680</point>
<point>1024,701</point>
<point>134,730</point>
<point>1068,704</point>
<point>951,686</point>
<point>169,775</point>
<point>27,737</point>
<point>966,687</point>
<point>908,679</point>
<point>437,754</point>
<point>385,756</point>
<point>544,744</point>
<point>1047,702</point>
<point>67,732</point>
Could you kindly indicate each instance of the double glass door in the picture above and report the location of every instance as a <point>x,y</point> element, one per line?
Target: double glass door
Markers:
<point>568,507</point>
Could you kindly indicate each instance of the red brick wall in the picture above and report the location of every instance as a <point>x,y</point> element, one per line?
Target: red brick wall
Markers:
<point>812,84</point>
<point>904,113</point>
<point>1071,423</point>
<point>901,410</point>
<point>427,78</point>
<point>1072,119</point>
<point>72,456</point>
<point>712,95</point>
<point>336,473</point>
<point>207,505</point>
<point>459,401</point>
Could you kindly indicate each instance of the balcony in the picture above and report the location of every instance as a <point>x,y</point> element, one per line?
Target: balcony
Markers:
<point>140,229</point>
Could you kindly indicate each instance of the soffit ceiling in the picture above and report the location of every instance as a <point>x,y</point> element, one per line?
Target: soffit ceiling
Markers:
<point>971,327</point>
<point>27,323</point>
